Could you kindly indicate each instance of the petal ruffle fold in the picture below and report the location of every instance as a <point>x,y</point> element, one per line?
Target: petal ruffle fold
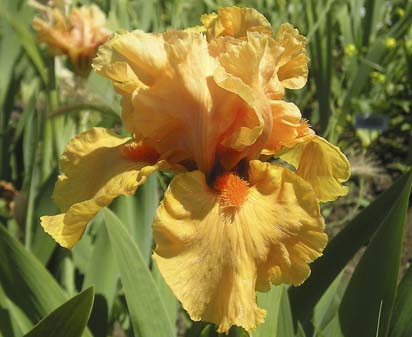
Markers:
<point>235,22</point>
<point>293,63</point>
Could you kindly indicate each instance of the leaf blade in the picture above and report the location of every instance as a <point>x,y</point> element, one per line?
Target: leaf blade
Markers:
<point>68,320</point>
<point>341,250</point>
<point>380,263</point>
<point>26,282</point>
<point>142,296</point>
<point>401,325</point>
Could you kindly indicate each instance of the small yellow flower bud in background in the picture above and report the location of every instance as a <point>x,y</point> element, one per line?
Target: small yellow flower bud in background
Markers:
<point>408,44</point>
<point>377,77</point>
<point>351,50</point>
<point>400,11</point>
<point>390,42</point>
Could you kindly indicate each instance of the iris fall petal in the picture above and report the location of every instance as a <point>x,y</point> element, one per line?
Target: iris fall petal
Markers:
<point>214,257</point>
<point>96,169</point>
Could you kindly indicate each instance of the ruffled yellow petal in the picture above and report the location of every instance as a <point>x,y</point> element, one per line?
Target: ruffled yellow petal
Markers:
<point>235,22</point>
<point>170,97</point>
<point>97,167</point>
<point>215,246</point>
<point>293,63</point>
<point>322,164</point>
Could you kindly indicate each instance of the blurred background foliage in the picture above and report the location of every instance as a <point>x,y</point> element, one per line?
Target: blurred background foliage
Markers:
<point>359,95</point>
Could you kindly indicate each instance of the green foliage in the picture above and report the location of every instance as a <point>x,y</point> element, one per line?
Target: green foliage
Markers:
<point>343,247</point>
<point>142,295</point>
<point>380,263</point>
<point>68,320</point>
<point>271,302</point>
<point>401,324</point>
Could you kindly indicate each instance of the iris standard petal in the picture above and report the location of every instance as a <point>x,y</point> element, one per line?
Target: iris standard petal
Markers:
<point>178,108</point>
<point>97,167</point>
<point>216,246</point>
<point>248,69</point>
<point>322,164</point>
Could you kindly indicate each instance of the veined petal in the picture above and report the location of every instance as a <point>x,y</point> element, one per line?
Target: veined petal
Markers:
<point>178,109</point>
<point>214,256</point>
<point>293,63</point>
<point>235,22</point>
<point>97,167</point>
<point>322,164</point>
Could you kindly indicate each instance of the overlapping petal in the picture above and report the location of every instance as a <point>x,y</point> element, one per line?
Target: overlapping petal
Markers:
<point>235,22</point>
<point>248,68</point>
<point>214,258</point>
<point>176,105</point>
<point>292,60</point>
<point>322,164</point>
<point>96,169</point>
<point>288,127</point>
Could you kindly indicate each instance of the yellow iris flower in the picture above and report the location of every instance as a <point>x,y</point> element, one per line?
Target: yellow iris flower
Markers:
<point>78,37</point>
<point>208,105</point>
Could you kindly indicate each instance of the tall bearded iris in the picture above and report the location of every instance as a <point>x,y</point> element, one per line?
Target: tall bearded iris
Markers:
<point>207,105</point>
<point>78,36</point>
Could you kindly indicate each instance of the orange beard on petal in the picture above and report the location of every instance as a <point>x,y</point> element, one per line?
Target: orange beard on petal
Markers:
<point>233,190</point>
<point>140,152</point>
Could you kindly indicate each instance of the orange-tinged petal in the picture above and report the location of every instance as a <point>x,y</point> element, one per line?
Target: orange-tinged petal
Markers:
<point>247,68</point>
<point>176,105</point>
<point>235,22</point>
<point>322,164</point>
<point>113,65</point>
<point>56,36</point>
<point>293,63</point>
<point>216,246</point>
<point>97,167</point>
<point>78,38</point>
<point>288,127</point>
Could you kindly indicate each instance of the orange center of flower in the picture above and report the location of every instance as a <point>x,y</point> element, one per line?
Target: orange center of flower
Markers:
<point>233,190</point>
<point>140,152</point>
